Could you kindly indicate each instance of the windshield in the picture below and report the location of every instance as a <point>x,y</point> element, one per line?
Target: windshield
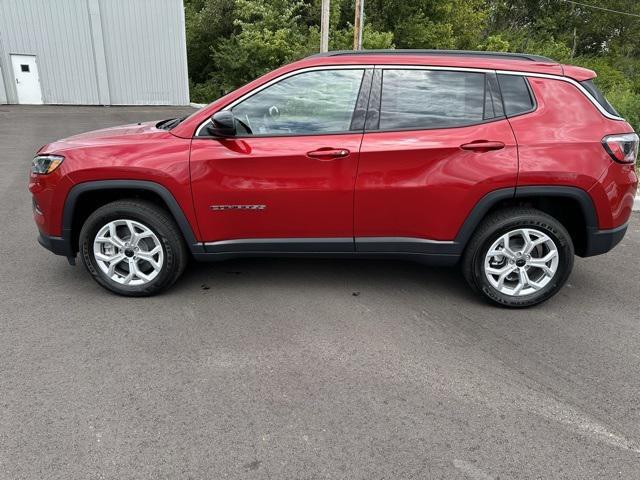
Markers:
<point>197,110</point>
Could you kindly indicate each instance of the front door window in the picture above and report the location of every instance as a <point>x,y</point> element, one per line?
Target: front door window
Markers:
<point>309,103</point>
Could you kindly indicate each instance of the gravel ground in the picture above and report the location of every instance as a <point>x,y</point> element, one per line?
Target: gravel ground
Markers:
<point>303,369</point>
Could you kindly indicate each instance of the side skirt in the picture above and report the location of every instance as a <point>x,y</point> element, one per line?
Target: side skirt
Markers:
<point>413,249</point>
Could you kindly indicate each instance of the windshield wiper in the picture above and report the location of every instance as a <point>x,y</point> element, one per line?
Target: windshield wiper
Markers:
<point>170,123</point>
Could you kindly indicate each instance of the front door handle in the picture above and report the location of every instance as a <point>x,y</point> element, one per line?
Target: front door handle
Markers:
<point>328,153</point>
<point>482,146</point>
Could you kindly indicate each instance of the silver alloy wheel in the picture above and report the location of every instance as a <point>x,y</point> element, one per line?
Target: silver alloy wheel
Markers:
<point>128,252</point>
<point>521,262</point>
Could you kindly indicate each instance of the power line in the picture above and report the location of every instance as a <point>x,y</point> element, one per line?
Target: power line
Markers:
<point>601,8</point>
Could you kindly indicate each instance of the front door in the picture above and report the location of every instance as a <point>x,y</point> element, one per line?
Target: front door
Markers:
<point>287,178</point>
<point>438,144</point>
<point>25,72</point>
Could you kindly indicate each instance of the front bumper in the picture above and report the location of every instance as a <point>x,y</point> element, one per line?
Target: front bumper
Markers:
<point>58,245</point>
<point>601,241</point>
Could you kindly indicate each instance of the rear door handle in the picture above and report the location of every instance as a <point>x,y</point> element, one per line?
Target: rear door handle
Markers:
<point>328,153</point>
<point>482,146</point>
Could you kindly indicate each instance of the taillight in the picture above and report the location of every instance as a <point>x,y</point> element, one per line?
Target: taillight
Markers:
<point>623,148</point>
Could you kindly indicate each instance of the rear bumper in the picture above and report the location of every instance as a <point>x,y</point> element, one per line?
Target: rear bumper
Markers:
<point>601,241</point>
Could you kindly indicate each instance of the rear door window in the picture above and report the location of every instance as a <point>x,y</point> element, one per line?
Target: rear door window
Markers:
<point>428,99</point>
<point>516,94</point>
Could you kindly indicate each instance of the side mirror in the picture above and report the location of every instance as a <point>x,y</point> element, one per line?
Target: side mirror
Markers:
<point>223,124</point>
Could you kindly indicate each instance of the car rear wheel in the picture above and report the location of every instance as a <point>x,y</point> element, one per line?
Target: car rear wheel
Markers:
<point>132,248</point>
<point>519,257</point>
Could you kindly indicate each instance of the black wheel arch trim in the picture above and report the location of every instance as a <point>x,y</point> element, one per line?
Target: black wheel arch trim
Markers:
<point>478,213</point>
<point>575,193</point>
<point>168,198</point>
<point>597,241</point>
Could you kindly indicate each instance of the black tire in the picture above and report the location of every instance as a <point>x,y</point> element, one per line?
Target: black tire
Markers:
<point>496,225</point>
<point>155,219</point>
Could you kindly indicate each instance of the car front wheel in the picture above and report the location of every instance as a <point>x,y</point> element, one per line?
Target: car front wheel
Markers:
<point>132,248</point>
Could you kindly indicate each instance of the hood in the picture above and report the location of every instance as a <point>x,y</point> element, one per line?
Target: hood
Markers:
<point>104,136</point>
<point>119,131</point>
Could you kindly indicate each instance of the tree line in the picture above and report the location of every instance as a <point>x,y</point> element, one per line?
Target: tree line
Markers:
<point>230,42</point>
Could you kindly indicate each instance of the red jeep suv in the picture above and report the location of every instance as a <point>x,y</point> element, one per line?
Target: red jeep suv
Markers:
<point>508,164</point>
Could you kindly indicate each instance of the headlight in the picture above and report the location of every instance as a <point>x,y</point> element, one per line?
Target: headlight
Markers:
<point>45,164</point>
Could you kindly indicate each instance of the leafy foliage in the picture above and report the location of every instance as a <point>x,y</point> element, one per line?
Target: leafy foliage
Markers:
<point>230,42</point>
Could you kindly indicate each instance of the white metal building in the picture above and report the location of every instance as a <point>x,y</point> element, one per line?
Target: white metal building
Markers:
<point>93,52</point>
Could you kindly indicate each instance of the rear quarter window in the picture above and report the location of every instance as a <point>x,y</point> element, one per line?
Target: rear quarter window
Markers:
<point>597,94</point>
<point>516,94</point>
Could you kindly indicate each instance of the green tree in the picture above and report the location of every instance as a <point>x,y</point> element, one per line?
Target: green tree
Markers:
<point>268,34</point>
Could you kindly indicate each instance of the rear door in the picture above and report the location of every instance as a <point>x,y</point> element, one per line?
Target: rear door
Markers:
<point>436,142</point>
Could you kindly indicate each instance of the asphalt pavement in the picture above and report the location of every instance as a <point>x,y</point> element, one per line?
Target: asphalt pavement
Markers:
<point>303,369</point>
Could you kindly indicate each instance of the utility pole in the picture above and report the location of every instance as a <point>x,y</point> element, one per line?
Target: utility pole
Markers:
<point>358,25</point>
<point>324,26</point>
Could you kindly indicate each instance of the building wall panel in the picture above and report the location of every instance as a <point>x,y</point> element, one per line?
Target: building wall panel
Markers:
<point>98,51</point>
<point>3,92</point>
<point>144,43</point>
<point>58,34</point>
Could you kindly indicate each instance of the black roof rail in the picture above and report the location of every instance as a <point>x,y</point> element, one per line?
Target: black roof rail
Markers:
<point>461,53</point>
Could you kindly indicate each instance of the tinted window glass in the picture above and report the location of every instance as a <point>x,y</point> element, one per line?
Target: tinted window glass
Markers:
<point>489,110</point>
<point>597,94</point>
<point>431,99</point>
<point>493,102</point>
<point>515,94</point>
<point>315,102</point>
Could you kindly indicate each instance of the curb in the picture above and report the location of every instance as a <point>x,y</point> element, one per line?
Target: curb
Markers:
<point>197,105</point>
